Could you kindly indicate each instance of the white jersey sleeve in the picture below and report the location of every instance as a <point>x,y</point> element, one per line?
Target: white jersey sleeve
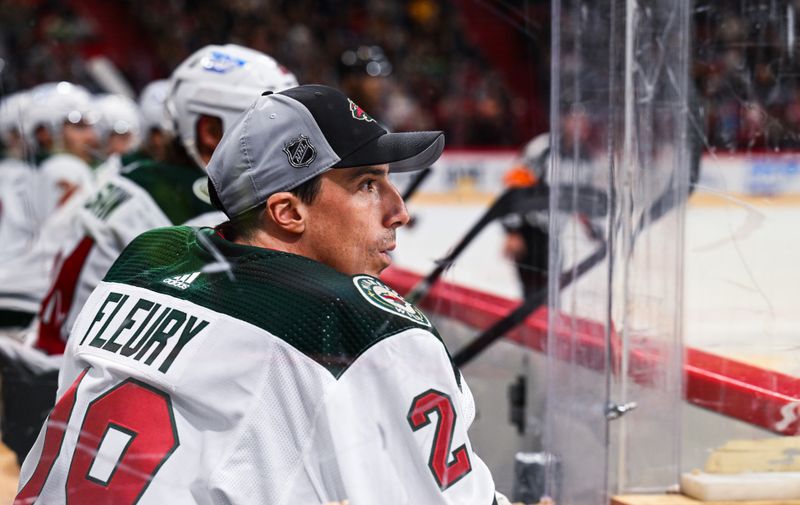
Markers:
<point>111,167</point>
<point>24,278</point>
<point>19,217</point>
<point>60,177</point>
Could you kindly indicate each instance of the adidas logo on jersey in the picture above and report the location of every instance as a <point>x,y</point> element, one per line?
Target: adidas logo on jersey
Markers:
<point>181,281</point>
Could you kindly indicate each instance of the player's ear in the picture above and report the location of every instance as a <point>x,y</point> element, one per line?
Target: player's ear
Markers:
<point>287,212</point>
<point>209,133</point>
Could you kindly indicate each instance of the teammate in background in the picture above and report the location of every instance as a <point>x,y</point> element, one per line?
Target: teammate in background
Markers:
<point>147,130</point>
<point>119,126</point>
<point>57,123</point>
<point>263,361</point>
<point>120,131</point>
<point>61,120</point>
<point>156,123</point>
<point>58,120</point>
<point>19,219</point>
<point>527,236</point>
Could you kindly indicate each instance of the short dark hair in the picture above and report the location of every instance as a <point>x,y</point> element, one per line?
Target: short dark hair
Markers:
<point>248,222</point>
<point>308,191</point>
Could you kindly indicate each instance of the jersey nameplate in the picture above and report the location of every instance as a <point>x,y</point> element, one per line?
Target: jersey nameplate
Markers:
<point>104,202</point>
<point>385,298</point>
<point>142,330</point>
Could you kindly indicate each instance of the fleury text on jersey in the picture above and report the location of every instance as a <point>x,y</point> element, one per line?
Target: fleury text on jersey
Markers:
<point>149,329</point>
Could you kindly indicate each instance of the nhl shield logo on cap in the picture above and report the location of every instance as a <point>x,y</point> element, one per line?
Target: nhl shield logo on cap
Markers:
<point>300,152</point>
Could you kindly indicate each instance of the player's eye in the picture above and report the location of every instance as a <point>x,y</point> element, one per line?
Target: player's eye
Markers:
<point>368,185</point>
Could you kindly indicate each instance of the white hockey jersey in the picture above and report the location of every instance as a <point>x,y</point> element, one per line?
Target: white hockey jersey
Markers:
<point>59,184</point>
<point>144,195</point>
<point>20,219</point>
<point>25,277</point>
<point>205,372</point>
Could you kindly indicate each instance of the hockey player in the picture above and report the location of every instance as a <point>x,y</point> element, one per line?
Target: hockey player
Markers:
<point>19,213</point>
<point>156,123</point>
<point>146,126</point>
<point>59,120</point>
<point>120,130</point>
<point>62,121</point>
<point>120,124</point>
<point>263,362</point>
<point>19,219</point>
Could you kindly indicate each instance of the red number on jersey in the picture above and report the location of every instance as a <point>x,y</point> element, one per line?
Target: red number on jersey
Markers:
<point>54,436</point>
<point>127,433</point>
<point>142,415</point>
<point>419,416</point>
<point>58,301</point>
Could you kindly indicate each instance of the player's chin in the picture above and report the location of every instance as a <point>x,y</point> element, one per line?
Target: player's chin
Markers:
<point>382,262</point>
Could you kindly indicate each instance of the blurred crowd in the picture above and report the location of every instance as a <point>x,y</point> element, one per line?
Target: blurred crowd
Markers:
<point>411,62</point>
<point>418,63</point>
<point>746,70</point>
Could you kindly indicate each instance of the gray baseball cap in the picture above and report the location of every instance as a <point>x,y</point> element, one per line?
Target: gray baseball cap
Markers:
<point>286,138</point>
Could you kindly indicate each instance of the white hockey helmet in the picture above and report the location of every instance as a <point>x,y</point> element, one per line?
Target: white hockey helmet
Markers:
<point>152,106</point>
<point>118,115</point>
<point>12,111</point>
<point>536,155</point>
<point>221,81</point>
<point>54,103</point>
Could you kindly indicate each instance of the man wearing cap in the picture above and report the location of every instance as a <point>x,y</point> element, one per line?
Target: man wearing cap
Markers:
<point>263,361</point>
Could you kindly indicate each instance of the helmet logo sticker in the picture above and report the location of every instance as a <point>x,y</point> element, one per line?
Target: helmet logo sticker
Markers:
<point>200,189</point>
<point>358,112</point>
<point>221,63</point>
<point>300,152</point>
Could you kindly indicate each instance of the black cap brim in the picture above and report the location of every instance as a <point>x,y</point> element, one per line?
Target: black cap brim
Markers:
<point>404,151</point>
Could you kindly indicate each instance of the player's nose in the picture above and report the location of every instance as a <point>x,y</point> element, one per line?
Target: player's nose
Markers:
<point>397,214</point>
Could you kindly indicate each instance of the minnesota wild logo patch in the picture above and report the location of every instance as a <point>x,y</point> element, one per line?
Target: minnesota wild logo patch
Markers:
<point>358,112</point>
<point>385,298</point>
